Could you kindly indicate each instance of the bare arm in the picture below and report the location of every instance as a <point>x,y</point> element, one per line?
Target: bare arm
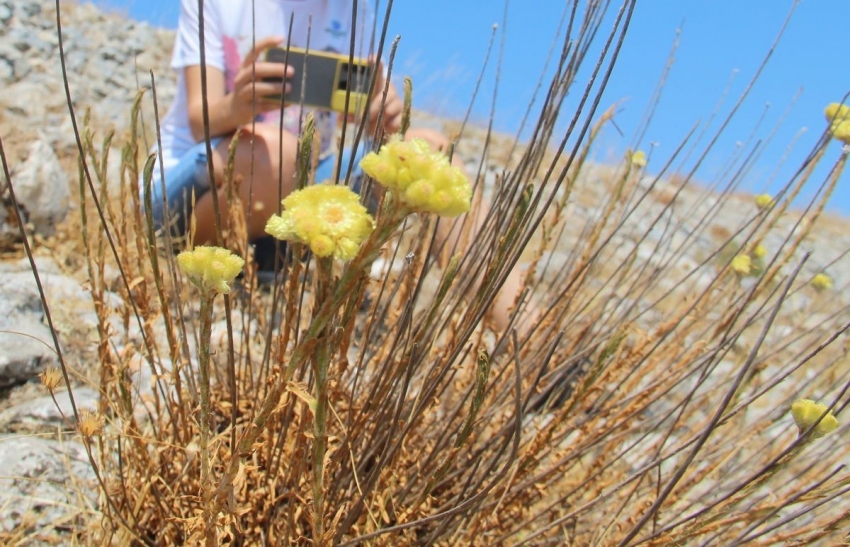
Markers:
<point>227,111</point>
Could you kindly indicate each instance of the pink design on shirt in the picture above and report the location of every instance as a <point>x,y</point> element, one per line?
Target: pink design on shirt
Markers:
<point>232,60</point>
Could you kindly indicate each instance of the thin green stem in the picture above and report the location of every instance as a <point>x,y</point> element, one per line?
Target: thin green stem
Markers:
<point>204,380</point>
<point>320,362</point>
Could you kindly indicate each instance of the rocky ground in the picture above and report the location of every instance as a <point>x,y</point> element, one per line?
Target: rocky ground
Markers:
<point>107,59</point>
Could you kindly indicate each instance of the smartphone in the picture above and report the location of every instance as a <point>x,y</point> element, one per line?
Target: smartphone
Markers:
<point>324,79</point>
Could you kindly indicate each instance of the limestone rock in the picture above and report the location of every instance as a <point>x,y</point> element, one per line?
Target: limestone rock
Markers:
<point>26,341</point>
<point>42,415</point>
<point>41,187</point>
<point>44,482</point>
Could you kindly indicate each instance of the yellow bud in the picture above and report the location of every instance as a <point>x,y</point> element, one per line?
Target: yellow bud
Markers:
<point>806,412</point>
<point>759,251</point>
<point>379,168</point>
<point>741,265</point>
<point>322,246</point>
<point>838,116</point>
<point>764,201</point>
<point>346,248</point>
<point>638,158</point>
<point>419,194</point>
<point>280,228</point>
<point>821,282</point>
<point>210,268</point>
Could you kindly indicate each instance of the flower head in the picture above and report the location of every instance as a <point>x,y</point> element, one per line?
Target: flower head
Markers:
<point>764,201</point>
<point>423,180</point>
<point>327,218</point>
<point>638,158</point>
<point>210,268</point>
<point>838,116</point>
<point>51,378</point>
<point>759,251</point>
<point>90,423</point>
<point>821,282</point>
<point>806,412</point>
<point>742,265</point>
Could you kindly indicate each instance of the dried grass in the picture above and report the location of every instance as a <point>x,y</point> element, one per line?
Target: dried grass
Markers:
<point>646,402</point>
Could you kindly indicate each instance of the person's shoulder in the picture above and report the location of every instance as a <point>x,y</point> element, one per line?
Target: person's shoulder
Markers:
<point>214,7</point>
<point>343,9</point>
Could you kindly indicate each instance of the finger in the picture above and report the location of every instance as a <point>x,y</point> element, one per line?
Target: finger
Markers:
<point>262,71</point>
<point>261,91</point>
<point>391,106</point>
<point>268,104</point>
<point>393,126</point>
<point>260,47</point>
<point>393,110</point>
<point>374,109</point>
<point>378,67</point>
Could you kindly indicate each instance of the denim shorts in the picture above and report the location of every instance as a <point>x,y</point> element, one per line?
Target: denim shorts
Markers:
<point>191,174</point>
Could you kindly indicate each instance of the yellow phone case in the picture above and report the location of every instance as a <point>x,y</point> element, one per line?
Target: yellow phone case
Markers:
<point>324,80</point>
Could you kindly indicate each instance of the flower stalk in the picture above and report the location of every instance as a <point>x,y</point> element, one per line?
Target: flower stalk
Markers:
<point>204,381</point>
<point>320,363</point>
<point>211,269</point>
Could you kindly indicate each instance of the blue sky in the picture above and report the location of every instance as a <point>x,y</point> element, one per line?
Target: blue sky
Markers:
<point>722,42</point>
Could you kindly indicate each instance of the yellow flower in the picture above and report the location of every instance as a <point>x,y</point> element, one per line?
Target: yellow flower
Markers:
<point>742,264</point>
<point>838,116</point>
<point>759,251</point>
<point>821,282</point>
<point>423,180</point>
<point>638,158</point>
<point>806,412</point>
<point>51,378</point>
<point>210,268</point>
<point>327,218</point>
<point>90,423</point>
<point>764,201</point>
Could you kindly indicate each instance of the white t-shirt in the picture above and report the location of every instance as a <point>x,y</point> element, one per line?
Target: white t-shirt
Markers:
<point>230,28</point>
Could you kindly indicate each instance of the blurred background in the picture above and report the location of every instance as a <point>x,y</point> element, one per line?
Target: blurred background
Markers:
<point>721,45</point>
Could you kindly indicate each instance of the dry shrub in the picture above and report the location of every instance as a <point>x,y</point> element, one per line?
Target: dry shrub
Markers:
<point>643,396</point>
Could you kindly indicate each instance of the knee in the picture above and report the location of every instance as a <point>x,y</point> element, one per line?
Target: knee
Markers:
<point>262,154</point>
<point>269,143</point>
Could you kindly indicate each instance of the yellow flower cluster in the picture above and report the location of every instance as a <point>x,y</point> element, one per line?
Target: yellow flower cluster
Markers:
<point>210,268</point>
<point>763,201</point>
<point>806,412</point>
<point>423,180</point>
<point>327,218</point>
<point>838,116</point>
<point>821,282</point>
<point>742,264</point>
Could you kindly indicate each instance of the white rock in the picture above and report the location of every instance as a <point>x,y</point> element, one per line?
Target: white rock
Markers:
<point>26,342</point>
<point>41,187</point>
<point>42,413</point>
<point>36,481</point>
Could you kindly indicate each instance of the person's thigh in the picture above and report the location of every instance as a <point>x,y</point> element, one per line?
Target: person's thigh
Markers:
<point>189,176</point>
<point>264,168</point>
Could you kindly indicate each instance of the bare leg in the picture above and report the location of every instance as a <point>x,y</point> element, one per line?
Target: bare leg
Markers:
<point>261,195</point>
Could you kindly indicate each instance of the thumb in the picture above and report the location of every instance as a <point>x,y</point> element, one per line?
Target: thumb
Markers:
<point>260,47</point>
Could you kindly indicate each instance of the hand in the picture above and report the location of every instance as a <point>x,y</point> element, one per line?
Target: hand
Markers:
<point>392,107</point>
<point>249,84</point>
